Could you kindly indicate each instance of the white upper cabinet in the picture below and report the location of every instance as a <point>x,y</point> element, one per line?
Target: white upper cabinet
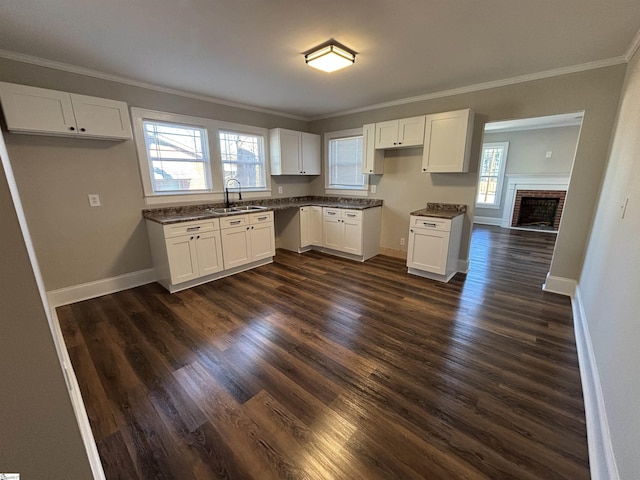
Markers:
<point>372,159</point>
<point>447,142</point>
<point>50,112</point>
<point>294,153</point>
<point>405,132</point>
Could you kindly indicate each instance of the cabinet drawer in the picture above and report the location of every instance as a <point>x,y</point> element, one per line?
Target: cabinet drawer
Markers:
<point>234,221</point>
<point>351,214</point>
<point>185,228</point>
<point>431,223</point>
<point>260,217</point>
<point>331,212</point>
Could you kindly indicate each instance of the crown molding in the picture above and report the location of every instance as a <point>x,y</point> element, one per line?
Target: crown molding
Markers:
<point>482,86</point>
<point>633,48</point>
<point>65,67</point>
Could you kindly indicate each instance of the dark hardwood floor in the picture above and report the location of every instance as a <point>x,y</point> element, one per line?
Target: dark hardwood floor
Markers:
<point>322,368</point>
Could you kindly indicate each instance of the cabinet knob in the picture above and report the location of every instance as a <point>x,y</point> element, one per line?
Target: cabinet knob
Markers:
<point>72,128</point>
<point>83,129</point>
<point>198,236</point>
<point>395,143</point>
<point>371,170</point>
<point>191,238</point>
<point>424,169</point>
<point>411,230</point>
<point>399,143</point>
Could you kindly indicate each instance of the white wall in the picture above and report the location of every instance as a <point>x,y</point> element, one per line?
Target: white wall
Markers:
<point>526,156</point>
<point>609,286</point>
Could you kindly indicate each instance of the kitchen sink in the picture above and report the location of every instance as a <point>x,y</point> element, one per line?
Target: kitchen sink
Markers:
<point>232,210</point>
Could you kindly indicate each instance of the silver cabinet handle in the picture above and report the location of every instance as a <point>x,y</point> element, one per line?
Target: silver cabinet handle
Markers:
<point>193,229</point>
<point>262,218</point>
<point>351,215</point>
<point>429,224</point>
<point>235,222</point>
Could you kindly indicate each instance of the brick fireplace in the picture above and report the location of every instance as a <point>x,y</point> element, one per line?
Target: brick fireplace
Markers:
<point>540,209</point>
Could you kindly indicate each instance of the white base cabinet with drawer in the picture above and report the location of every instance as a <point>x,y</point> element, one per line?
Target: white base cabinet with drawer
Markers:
<point>191,253</point>
<point>247,239</point>
<point>434,246</point>
<point>354,234</point>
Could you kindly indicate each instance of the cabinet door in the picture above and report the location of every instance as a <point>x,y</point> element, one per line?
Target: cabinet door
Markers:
<point>352,236</point>
<point>447,141</point>
<point>372,159</point>
<point>290,151</point>
<point>183,260</point>
<point>262,241</point>
<point>305,214</point>
<point>332,231</point>
<point>315,225</point>
<point>100,117</point>
<point>236,246</point>
<point>387,134</point>
<point>37,110</point>
<point>310,154</point>
<point>209,252</point>
<point>411,131</point>
<point>428,250</point>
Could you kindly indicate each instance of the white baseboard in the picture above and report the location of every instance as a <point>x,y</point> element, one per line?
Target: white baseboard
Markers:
<point>78,405</point>
<point>561,285</point>
<point>601,456</point>
<point>487,221</point>
<point>463,265</point>
<point>85,291</point>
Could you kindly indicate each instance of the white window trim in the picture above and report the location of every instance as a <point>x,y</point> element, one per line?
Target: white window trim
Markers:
<point>503,165</point>
<point>354,192</point>
<point>216,194</point>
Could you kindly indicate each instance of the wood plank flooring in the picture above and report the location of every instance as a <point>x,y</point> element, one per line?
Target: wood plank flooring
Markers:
<point>315,367</point>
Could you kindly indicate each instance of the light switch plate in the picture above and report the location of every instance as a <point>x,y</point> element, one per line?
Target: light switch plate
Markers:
<point>549,154</point>
<point>374,188</point>
<point>94,200</point>
<point>279,189</point>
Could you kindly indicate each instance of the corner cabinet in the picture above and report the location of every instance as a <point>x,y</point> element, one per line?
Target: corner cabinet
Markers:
<point>310,226</point>
<point>447,142</point>
<point>434,247</point>
<point>41,111</point>
<point>294,153</point>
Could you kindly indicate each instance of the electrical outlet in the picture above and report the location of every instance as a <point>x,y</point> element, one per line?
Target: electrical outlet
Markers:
<point>402,241</point>
<point>374,188</point>
<point>549,153</point>
<point>279,189</point>
<point>94,200</point>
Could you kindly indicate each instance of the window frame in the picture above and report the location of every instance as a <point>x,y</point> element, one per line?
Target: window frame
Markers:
<point>245,131</point>
<point>500,177</point>
<point>216,193</point>
<point>328,136</point>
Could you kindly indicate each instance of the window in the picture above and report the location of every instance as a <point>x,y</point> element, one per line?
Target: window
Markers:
<point>243,159</point>
<point>344,161</point>
<point>178,156</point>
<point>492,164</point>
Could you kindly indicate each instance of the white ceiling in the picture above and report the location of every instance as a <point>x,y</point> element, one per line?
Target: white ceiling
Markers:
<point>250,51</point>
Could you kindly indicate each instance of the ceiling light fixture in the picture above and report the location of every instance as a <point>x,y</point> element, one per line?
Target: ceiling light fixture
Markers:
<point>330,57</point>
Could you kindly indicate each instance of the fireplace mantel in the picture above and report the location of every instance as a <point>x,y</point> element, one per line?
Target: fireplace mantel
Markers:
<point>529,182</point>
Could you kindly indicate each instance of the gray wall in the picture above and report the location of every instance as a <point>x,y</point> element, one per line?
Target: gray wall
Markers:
<point>610,282</point>
<point>404,188</point>
<point>526,155</point>
<point>39,436</point>
<point>75,243</point>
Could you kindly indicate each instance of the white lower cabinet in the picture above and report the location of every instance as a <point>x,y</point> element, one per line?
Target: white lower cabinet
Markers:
<point>343,231</point>
<point>190,253</point>
<point>247,239</point>
<point>434,246</point>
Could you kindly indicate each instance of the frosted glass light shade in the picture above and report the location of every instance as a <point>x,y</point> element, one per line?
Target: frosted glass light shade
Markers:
<point>330,58</point>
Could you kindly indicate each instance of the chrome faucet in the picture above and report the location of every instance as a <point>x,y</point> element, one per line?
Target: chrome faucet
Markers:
<point>227,203</point>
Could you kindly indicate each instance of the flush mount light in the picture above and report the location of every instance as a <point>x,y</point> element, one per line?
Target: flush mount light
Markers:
<point>330,57</point>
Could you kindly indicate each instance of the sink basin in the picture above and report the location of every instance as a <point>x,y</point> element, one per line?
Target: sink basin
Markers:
<point>242,209</point>
<point>248,208</point>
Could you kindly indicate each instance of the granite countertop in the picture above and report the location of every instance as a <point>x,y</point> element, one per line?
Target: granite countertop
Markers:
<point>441,210</point>
<point>188,213</point>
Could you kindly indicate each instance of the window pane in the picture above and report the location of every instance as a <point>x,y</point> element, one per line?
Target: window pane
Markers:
<point>345,163</point>
<point>243,159</point>
<point>491,167</point>
<point>178,157</point>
